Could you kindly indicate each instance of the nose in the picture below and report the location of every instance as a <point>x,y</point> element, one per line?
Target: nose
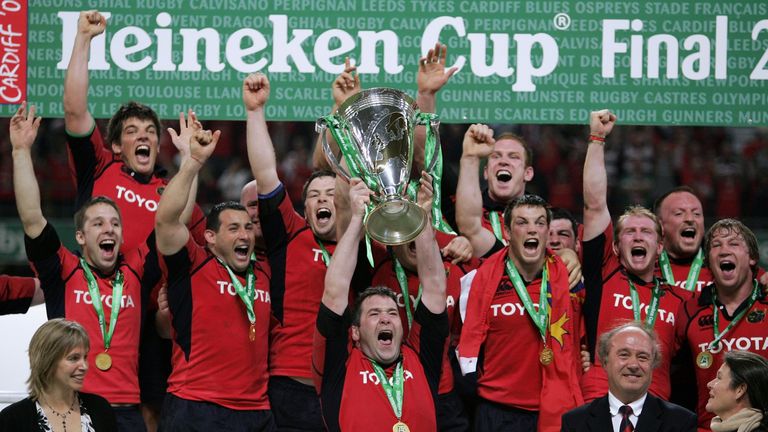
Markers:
<point>711,384</point>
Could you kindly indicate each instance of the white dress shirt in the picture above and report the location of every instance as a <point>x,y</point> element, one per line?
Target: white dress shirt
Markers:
<point>614,404</point>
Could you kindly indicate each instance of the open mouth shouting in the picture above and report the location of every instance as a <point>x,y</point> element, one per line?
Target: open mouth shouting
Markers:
<point>107,247</point>
<point>503,176</point>
<point>531,246</point>
<point>727,268</point>
<point>142,154</point>
<point>385,337</point>
<point>241,252</point>
<point>688,233</point>
<point>323,215</point>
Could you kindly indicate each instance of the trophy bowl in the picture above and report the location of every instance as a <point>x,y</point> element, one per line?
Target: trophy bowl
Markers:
<point>374,130</point>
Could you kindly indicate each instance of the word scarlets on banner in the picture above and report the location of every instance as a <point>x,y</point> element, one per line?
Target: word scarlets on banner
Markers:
<point>13,51</point>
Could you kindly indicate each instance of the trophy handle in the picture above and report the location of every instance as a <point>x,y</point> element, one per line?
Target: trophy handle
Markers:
<point>432,123</point>
<point>320,127</point>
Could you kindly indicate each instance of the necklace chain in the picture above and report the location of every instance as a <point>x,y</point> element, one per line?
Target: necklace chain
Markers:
<point>66,414</point>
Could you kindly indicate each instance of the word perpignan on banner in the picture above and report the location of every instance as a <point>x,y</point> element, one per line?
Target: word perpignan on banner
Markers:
<point>687,63</point>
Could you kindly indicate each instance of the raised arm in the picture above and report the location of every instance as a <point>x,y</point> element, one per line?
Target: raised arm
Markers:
<point>596,214</point>
<point>344,260</point>
<point>77,119</point>
<point>429,262</point>
<point>23,132</point>
<point>344,86</point>
<point>478,144</point>
<point>171,233</point>
<point>261,152</point>
<point>180,140</point>
<point>430,78</point>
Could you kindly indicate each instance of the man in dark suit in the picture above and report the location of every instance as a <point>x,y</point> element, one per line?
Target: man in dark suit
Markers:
<point>629,354</point>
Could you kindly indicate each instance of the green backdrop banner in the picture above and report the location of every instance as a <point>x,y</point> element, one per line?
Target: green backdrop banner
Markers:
<point>655,62</point>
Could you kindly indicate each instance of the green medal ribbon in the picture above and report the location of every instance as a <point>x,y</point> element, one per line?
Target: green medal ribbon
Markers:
<point>540,318</point>
<point>356,167</point>
<point>117,298</point>
<point>393,391</point>
<point>693,272</point>
<point>324,252</point>
<point>248,293</point>
<point>716,316</point>
<point>653,307</point>
<point>402,280</point>
<point>496,225</point>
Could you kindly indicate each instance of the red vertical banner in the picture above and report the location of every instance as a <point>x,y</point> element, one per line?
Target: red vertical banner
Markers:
<point>13,51</point>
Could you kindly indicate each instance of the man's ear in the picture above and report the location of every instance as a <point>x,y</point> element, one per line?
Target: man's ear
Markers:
<point>117,148</point>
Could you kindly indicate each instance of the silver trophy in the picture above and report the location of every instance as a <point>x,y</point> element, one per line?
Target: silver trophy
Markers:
<point>374,130</point>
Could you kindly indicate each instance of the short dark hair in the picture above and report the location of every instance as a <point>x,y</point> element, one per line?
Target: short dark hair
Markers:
<point>314,175</point>
<point>515,137</point>
<point>660,200</point>
<point>130,110</point>
<point>751,370</point>
<point>212,221</point>
<point>733,225</point>
<point>370,292</point>
<point>561,213</point>
<point>92,201</point>
<point>526,200</point>
<point>604,343</point>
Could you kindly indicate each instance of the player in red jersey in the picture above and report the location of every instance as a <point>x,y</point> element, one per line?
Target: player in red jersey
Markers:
<point>509,168</point>
<point>393,379</point>
<point>619,268</point>
<point>220,307</point>
<point>681,262</point>
<point>298,250</point>
<point>502,322</point>
<point>98,289</point>
<point>730,313</point>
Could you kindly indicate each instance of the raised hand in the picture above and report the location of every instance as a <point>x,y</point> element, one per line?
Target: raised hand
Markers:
<point>202,143</point>
<point>432,75</point>
<point>426,193</point>
<point>24,125</point>
<point>346,84</point>
<point>359,196</point>
<point>255,91</point>
<point>181,139</point>
<point>478,141</point>
<point>601,123</point>
<point>458,250</point>
<point>91,23</point>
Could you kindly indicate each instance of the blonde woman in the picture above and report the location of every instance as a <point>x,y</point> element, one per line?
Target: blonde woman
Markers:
<point>58,354</point>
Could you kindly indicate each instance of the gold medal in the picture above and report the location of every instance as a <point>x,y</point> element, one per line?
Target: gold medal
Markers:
<point>400,427</point>
<point>546,356</point>
<point>252,333</point>
<point>103,361</point>
<point>704,360</point>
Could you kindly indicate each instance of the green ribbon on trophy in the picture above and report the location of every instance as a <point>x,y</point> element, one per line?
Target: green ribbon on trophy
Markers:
<point>374,130</point>
<point>356,167</point>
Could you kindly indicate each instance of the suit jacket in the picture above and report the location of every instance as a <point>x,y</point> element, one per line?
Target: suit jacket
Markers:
<point>657,415</point>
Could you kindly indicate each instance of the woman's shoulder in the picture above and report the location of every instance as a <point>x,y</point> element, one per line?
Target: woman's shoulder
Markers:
<point>17,413</point>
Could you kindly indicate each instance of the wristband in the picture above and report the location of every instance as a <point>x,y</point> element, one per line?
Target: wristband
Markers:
<point>598,138</point>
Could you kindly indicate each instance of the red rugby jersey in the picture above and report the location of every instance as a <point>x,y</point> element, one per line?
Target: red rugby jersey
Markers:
<point>66,295</point>
<point>99,172</point>
<point>384,274</point>
<point>16,294</point>
<point>352,399</point>
<point>213,358</point>
<point>695,327</point>
<point>608,303</point>
<point>298,276</point>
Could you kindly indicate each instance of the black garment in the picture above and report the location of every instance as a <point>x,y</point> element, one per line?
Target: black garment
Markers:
<point>657,415</point>
<point>22,416</point>
<point>181,415</point>
<point>494,417</point>
<point>285,395</point>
